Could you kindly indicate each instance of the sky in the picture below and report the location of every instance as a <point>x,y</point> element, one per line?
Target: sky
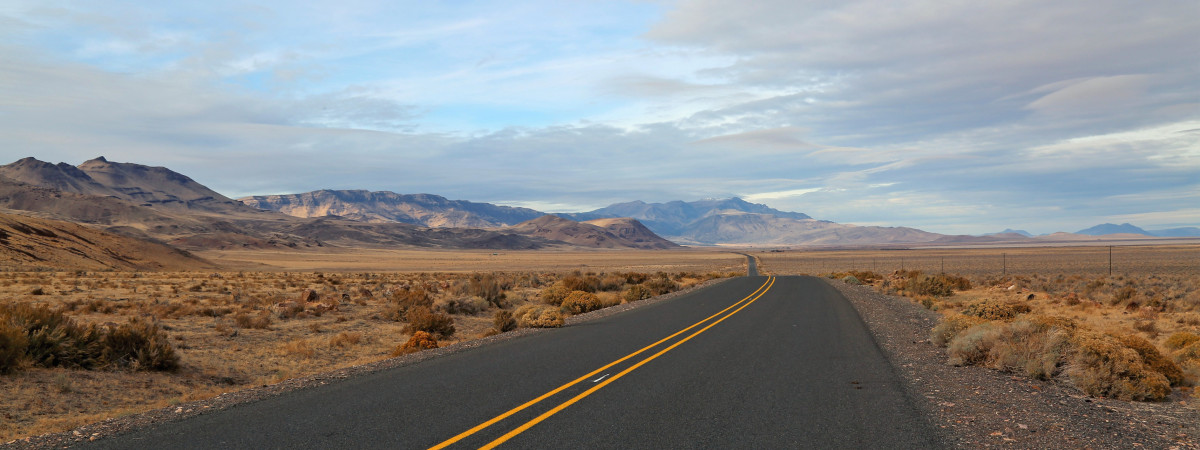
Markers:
<point>958,117</point>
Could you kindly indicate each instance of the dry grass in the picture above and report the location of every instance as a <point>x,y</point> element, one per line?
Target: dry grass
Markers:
<point>1049,312</point>
<point>232,330</point>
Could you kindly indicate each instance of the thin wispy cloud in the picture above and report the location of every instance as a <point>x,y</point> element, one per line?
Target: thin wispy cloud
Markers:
<point>959,117</point>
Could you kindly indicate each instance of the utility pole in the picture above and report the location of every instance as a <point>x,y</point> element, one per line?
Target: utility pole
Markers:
<point>1004,264</point>
<point>943,265</point>
<point>1110,260</point>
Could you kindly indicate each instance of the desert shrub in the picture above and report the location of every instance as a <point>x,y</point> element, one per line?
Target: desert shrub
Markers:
<point>463,305</point>
<point>1030,349</point>
<point>1124,294</point>
<point>588,283</point>
<point>612,282</point>
<point>1180,340</point>
<point>635,278</point>
<point>851,279</point>
<point>555,294</point>
<point>403,300</point>
<point>972,345</point>
<point>138,345</point>
<point>1153,358</point>
<point>661,285</point>
<point>257,321</point>
<point>421,318</point>
<point>52,338</point>
<point>950,326</point>
<point>345,339</point>
<point>12,346</point>
<point>488,288</point>
<point>579,302</point>
<point>420,340</point>
<point>503,321</point>
<point>992,310</point>
<point>1102,367</point>
<point>637,292</point>
<point>538,316</point>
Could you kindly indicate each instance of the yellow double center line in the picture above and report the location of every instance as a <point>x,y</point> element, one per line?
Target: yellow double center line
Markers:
<point>754,296</point>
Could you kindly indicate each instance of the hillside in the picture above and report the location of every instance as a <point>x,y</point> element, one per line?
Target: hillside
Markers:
<point>160,205</point>
<point>1108,228</point>
<point>383,206</point>
<point>749,228</point>
<point>605,233</point>
<point>671,218</point>
<point>28,243</point>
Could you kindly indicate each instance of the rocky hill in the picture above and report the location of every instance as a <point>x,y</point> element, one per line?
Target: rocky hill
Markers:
<point>672,218</point>
<point>383,206</point>
<point>28,243</point>
<point>602,233</point>
<point>759,229</point>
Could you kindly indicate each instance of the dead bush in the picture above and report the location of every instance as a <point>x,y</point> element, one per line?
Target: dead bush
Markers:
<point>579,302</point>
<point>588,283</point>
<point>421,318</point>
<point>1102,367</point>
<point>972,345</point>
<point>538,316</point>
<point>138,345</point>
<point>403,300</point>
<point>52,338</point>
<point>503,321</point>
<point>12,346</point>
<point>419,341</point>
<point>487,287</point>
<point>464,305</point>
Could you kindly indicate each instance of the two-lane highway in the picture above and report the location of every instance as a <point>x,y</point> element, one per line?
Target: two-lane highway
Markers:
<point>753,362</point>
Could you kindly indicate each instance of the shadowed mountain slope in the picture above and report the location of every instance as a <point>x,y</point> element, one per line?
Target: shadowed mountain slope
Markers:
<point>28,243</point>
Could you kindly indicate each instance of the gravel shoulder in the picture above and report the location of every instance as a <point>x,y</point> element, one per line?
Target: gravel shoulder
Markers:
<point>125,424</point>
<point>984,408</point>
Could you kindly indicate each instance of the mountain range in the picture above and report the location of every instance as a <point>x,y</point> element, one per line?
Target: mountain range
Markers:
<point>159,205</point>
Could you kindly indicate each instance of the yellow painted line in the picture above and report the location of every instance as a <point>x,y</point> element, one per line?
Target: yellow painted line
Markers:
<point>564,405</point>
<point>510,412</point>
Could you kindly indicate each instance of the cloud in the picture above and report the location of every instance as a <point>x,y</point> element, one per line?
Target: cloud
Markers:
<point>957,117</point>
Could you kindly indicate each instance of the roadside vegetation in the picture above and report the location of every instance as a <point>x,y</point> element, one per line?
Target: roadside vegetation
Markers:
<point>78,347</point>
<point>1122,337</point>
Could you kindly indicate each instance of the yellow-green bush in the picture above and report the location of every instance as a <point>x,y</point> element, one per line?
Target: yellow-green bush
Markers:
<point>555,294</point>
<point>1154,359</point>
<point>1180,340</point>
<point>950,326</point>
<point>538,316</point>
<point>993,310</point>
<point>637,292</point>
<point>579,302</point>
<point>1101,366</point>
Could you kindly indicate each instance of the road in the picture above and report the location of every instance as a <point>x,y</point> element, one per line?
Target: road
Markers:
<point>753,362</point>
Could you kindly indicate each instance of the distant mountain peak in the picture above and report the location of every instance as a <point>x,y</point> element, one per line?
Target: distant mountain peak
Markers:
<point>1108,228</point>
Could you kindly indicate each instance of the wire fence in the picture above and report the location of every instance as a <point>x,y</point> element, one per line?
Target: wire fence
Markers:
<point>1183,260</point>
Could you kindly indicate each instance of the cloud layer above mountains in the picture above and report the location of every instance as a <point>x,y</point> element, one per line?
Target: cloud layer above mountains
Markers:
<point>956,117</point>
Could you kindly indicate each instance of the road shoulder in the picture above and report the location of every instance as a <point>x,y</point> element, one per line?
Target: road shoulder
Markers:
<point>977,407</point>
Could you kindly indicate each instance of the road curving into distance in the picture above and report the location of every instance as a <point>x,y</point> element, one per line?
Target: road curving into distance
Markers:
<point>754,362</point>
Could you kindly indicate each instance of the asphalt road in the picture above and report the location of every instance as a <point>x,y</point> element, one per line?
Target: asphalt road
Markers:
<point>766,363</point>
